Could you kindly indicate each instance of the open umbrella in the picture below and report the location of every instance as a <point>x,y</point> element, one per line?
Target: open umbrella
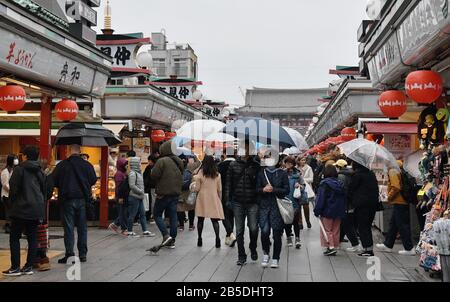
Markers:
<point>369,154</point>
<point>411,163</point>
<point>298,139</point>
<point>86,135</point>
<point>259,130</point>
<point>199,130</point>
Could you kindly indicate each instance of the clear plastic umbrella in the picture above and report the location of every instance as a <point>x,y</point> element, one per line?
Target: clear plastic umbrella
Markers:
<point>411,163</point>
<point>299,140</point>
<point>369,154</point>
<point>199,130</point>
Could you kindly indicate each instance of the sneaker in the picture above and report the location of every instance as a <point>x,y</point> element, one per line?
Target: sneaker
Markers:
<point>113,227</point>
<point>43,265</point>
<point>132,235</point>
<point>171,244</point>
<point>136,223</point>
<point>344,240</point>
<point>383,248</point>
<point>330,252</point>
<point>289,241</point>
<point>366,254</point>
<point>191,228</point>
<point>411,252</point>
<point>152,221</point>
<point>64,259</point>
<point>297,243</point>
<point>265,262</point>
<point>354,249</point>
<point>181,228</point>
<point>166,240</point>
<point>148,234</point>
<point>274,263</point>
<point>241,262</point>
<point>233,240</point>
<point>83,259</point>
<point>227,241</point>
<point>254,256</point>
<point>124,233</point>
<point>12,272</point>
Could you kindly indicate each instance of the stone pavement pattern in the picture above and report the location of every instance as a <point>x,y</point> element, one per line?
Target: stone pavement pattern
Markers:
<point>112,257</point>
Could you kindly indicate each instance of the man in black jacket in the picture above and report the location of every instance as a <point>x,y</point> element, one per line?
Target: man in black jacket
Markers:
<point>27,196</point>
<point>228,222</point>
<point>74,178</point>
<point>240,191</point>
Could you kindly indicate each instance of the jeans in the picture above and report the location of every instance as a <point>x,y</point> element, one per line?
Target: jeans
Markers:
<point>249,211</point>
<point>17,227</point>
<point>348,226</point>
<point>74,215</point>
<point>228,222</point>
<point>136,206</point>
<point>399,224</point>
<point>168,204</point>
<point>122,218</point>
<point>365,218</point>
<point>265,240</point>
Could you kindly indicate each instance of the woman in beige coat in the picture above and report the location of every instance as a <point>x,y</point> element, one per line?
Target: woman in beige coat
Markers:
<point>208,205</point>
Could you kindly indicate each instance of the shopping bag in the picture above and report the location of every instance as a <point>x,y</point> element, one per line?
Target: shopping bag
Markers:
<point>146,202</point>
<point>192,198</point>
<point>310,192</point>
<point>285,205</point>
<point>297,193</point>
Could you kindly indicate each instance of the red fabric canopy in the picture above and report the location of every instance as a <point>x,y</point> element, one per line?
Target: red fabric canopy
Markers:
<point>391,128</point>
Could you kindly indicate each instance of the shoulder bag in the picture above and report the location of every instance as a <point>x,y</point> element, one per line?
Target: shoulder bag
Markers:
<point>192,198</point>
<point>285,206</point>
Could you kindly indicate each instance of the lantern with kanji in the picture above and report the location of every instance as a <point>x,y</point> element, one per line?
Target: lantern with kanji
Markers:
<point>392,103</point>
<point>170,135</point>
<point>12,98</point>
<point>158,136</point>
<point>348,134</point>
<point>424,86</point>
<point>66,110</point>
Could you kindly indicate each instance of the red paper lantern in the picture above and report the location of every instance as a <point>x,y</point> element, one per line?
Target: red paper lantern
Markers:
<point>12,98</point>
<point>392,103</point>
<point>158,136</point>
<point>66,110</point>
<point>348,134</point>
<point>170,135</point>
<point>424,86</point>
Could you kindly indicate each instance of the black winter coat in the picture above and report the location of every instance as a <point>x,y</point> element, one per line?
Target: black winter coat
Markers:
<point>363,190</point>
<point>240,184</point>
<point>28,191</point>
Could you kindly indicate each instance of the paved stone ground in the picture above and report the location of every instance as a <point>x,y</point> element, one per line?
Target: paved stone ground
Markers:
<point>113,257</point>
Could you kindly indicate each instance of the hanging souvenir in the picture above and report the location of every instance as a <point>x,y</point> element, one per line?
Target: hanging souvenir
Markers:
<point>430,130</point>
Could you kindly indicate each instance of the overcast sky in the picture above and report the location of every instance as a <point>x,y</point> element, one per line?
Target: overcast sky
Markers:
<point>247,43</point>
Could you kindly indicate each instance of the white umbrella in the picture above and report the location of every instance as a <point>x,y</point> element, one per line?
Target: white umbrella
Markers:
<point>199,130</point>
<point>298,139</point>
<point>411,163</point>
<point>369,154</point>
<point>291,151</point>
<point>221,137</point>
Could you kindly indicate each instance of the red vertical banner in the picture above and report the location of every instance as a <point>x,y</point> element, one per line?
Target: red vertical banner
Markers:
<point>104,200</point>
<point>45,128</point>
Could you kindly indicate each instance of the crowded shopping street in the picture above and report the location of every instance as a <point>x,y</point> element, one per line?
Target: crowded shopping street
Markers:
<point>297,141</point>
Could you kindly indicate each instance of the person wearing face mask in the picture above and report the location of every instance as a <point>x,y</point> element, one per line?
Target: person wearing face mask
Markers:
<point>272,182</point>
<point>11,162</point>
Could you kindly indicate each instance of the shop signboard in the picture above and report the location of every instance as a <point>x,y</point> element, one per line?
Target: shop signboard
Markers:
<point>386,60</point>
<point>400,145</point>
<point>124,54</point>
<point>421,26</point>
<point>30,60</point>
<point>183,93</point>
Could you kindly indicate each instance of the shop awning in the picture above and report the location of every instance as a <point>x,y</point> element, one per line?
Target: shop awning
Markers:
<point>391,128</point>
<point>23,132</point>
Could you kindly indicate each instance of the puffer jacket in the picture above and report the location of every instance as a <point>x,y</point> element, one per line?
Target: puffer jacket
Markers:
<point>28,192</point>
<point>168,172</point>
<point>135,179</point>
<point>241,181</point>
<point>330,199</point>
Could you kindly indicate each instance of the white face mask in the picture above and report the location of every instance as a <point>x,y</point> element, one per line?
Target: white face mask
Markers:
<point>16,162</point>
<point>269,162</point>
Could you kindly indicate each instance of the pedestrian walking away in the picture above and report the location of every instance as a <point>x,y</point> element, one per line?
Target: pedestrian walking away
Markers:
<point>168,176</point>
<point>330,209</point>
<point>272,183</point>
<point>208,184</point>
<point>120,177</point>
<point>228,222</point>
<point>27,194</point>
<point>191,168</point>
<point>74,178</point>
<point>11,162</point>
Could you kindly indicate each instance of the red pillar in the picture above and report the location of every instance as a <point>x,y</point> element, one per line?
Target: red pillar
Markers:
<point>104,200</point>
<point>45,128</point>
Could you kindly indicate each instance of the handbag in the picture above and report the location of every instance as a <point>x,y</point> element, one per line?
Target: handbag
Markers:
<point>297,193</point>
<point>310,192</point>
<point>285,205</point>
<point>192,197</point>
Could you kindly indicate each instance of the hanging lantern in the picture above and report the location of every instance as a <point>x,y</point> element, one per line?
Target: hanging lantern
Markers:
<point>12,98</point>
<point>392,103</point>
<point>66,110</point>
<point>158,136</point>
<point>424,86</point>
<point>170,135</point>
<point>348,134</point>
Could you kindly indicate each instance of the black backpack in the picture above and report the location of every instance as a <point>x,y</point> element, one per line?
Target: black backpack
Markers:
<point>409,187</point>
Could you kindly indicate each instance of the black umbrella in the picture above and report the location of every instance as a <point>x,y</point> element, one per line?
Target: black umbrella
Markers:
<point>259,130</point>
<point>86,135</point>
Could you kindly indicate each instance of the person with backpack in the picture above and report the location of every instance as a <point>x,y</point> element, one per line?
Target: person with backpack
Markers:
<point>330,208</point>
<point>191,168</point>
<point>136,198</point>
<point>400,186</point>
<point>27,196</point>
<point>121,180</point>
